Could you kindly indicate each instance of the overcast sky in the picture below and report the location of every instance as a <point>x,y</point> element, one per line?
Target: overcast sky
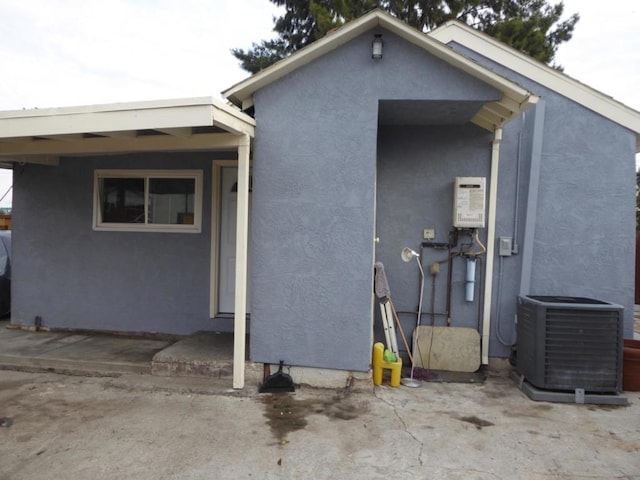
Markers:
<point>77,52</point>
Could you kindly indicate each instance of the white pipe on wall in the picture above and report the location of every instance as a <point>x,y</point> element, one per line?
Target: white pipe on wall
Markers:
<point>491,240</point>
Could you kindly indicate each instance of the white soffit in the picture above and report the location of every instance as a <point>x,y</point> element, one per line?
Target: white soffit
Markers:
<point>485,45</point>
<point>38,135</point>
<point>515,98</point>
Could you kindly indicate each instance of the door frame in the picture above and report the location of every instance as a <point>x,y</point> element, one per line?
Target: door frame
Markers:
<point>214,274</point>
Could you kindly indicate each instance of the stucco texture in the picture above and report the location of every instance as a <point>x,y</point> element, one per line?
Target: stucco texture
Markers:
<point>417,167</point>
<point>314,215</point>
<point>583,238</point>
<point>74,277</point>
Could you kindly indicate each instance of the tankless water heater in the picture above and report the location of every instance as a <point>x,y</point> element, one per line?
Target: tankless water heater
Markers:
<point>469,202</point>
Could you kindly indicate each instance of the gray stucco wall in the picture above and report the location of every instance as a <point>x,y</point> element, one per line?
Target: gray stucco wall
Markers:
<point>417,167</point>
<point>586,181</point>
<point>313,220</point>
<point>584,240</point>
<point>75,277</point>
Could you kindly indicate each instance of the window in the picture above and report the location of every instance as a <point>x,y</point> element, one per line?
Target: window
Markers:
<point>148,200</point>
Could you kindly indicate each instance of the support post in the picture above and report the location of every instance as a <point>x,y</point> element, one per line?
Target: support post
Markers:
<point>491,240</point>
<point>242,224</point>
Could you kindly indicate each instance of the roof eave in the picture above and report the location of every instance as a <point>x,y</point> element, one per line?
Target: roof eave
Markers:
<point>244,89</point>
<point>513,94</point>
<point>485,45</point>
<point>42,135</point>
<point>157,114</point>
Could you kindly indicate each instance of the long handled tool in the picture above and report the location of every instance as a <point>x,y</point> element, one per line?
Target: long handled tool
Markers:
<point>399,325</point>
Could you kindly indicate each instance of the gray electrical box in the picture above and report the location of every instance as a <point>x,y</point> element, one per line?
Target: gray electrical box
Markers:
<point>504,249</point>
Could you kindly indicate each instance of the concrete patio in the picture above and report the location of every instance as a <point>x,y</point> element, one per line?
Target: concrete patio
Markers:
<point>204,354</point>
<point>150,427</point>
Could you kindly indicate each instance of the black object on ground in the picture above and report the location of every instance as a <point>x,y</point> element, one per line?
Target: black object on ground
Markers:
<point>279,382</point>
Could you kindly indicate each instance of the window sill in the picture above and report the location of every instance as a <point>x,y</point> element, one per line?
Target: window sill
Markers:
<point>148,228</point>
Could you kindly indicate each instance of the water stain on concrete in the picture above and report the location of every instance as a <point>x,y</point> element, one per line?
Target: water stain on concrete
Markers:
<point>13,384</point>
<point>478,422</point>
<point>6,422</point>
<point>285,413</point>
<point>537,410</point>
<point>606,408</point>
<point>499,392</point>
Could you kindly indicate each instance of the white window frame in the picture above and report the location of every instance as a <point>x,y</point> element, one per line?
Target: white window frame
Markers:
<point>196,227</point>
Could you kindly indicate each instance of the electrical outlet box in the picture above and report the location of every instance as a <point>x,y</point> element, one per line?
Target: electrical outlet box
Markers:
<point>428,233</point>
<point>504,248</point>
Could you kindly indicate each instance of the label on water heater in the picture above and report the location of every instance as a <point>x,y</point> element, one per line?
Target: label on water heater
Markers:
<point>469,202</point>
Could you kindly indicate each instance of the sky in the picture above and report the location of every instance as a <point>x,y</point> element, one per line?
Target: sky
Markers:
<point>80,52</point>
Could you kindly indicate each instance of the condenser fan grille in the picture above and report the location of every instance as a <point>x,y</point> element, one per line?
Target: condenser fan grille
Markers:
<point>581,348</point>
<point>569,346</point>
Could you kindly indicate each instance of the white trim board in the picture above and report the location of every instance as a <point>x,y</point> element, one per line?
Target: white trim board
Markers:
<point>128,107</point>
<point>216,169</point>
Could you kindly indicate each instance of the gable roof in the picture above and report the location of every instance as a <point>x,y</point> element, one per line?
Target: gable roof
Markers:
<point>487,46</point>
<point>515,99</point>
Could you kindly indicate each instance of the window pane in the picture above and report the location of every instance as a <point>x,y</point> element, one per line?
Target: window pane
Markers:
<point>122,200</point>
<point>171,201</point>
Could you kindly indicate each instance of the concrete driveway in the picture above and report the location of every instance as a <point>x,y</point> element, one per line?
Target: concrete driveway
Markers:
<point>146,427</point>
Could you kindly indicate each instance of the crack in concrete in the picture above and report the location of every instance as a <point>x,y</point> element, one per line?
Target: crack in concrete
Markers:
<point>404,424</point>
<point>482,472</point>
<point>564,475</point>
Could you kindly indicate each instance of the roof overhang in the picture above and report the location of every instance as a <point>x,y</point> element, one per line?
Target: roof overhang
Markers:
<point>43,135</point>
<point>515,99</point>
<point>487,46</point>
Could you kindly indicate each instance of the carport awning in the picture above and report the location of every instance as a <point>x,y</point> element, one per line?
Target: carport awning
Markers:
<point>42,135</point>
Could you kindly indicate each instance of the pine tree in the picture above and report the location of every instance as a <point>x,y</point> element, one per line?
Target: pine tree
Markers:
<point>531,26</point>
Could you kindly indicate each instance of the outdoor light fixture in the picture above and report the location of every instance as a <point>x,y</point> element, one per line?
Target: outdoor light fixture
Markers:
<point>408,255</point>
<point>376,47</point>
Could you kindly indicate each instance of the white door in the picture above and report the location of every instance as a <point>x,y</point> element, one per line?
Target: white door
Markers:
<point>227,241</point>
